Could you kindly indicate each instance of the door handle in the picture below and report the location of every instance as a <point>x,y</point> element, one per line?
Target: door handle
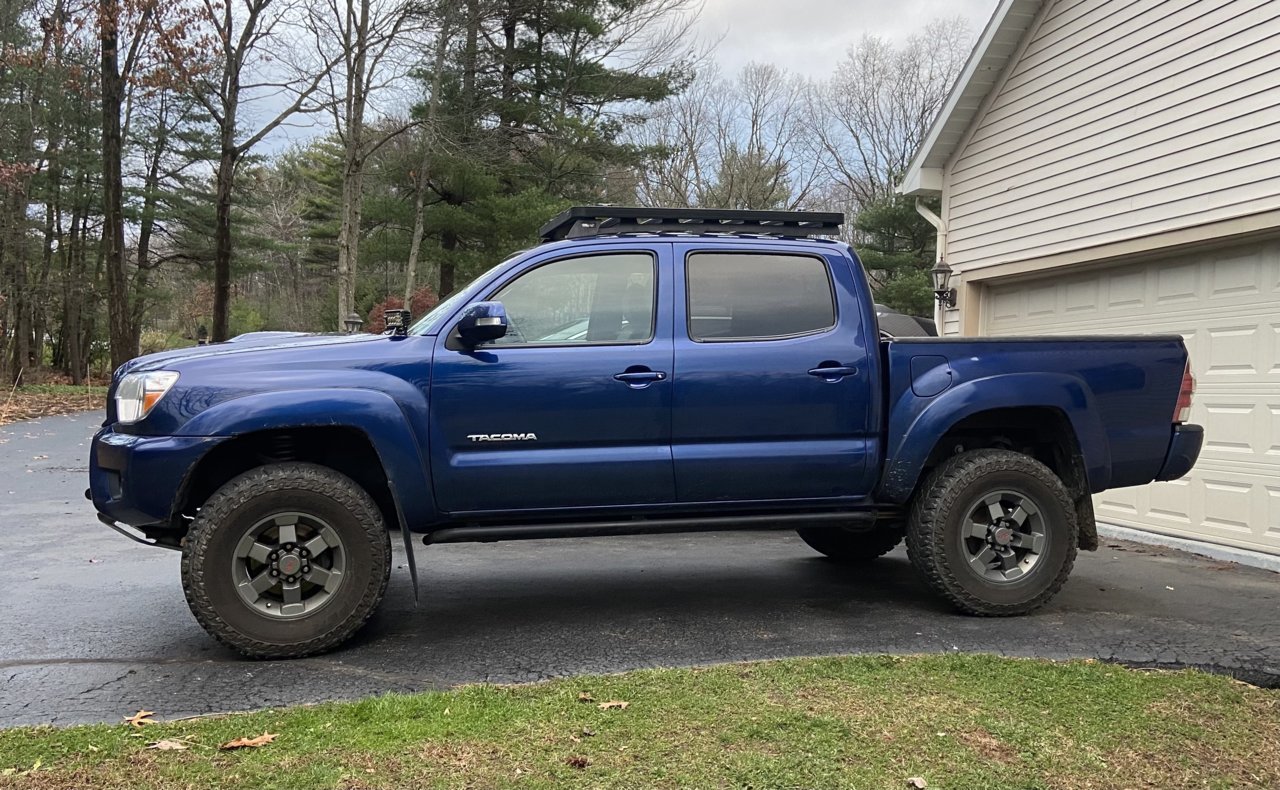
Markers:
<point>833,372</point>
<point>639,379</point>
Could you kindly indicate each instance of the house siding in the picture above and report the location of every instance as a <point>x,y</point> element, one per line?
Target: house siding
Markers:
<point>1121,119</point>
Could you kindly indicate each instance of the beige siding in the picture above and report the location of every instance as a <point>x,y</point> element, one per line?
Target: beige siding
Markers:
<point>1122,118</point>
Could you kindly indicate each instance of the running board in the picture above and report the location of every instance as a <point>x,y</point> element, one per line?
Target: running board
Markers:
<point>494,532</point>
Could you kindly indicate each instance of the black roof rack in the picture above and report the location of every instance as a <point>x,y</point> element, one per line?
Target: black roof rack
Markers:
<point>584,221</point>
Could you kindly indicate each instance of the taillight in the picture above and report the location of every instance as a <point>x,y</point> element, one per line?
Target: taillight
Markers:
<point>1182,412</point>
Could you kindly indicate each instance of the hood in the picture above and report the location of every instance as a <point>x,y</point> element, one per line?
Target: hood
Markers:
<point>250,343</point>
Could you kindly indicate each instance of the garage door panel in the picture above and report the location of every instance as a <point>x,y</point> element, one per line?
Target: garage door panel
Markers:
<point>1226,306</point>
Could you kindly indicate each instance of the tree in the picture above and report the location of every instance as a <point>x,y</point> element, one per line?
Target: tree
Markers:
<point>741,144</point>
<point>896,246</point>
<point>248,73</point>
<point>370,32</point>
<point>878,107</point>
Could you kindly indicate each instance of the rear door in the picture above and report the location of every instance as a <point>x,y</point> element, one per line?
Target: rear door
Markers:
<point>773,386</point>
<point>572,407</point>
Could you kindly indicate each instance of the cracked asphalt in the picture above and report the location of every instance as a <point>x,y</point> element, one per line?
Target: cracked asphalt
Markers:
<point>94,626</point>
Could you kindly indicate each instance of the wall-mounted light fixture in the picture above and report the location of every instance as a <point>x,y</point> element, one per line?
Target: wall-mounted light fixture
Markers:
<point>942,290</point>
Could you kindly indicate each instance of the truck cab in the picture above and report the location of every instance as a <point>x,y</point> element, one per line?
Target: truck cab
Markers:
<point>642,370</point>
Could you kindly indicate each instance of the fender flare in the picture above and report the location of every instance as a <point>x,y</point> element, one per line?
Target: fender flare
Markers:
<point>378,416</point>
<point>920,423</point>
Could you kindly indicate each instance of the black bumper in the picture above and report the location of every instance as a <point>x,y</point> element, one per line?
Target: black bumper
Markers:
<point>1184,449</point>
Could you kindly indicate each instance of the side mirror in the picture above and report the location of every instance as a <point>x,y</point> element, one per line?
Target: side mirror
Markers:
<point>482,322</point>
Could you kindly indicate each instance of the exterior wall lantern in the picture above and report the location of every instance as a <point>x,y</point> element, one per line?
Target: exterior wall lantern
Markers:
<point>352,323</point>
<point>942,290</point>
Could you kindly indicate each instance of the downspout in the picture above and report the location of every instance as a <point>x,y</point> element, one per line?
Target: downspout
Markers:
<point>939,256</point>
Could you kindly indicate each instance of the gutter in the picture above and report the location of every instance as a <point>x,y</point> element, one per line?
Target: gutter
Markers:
<point>941,246</point>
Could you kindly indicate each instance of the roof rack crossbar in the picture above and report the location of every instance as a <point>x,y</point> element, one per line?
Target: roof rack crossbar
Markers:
<point>585,221</point>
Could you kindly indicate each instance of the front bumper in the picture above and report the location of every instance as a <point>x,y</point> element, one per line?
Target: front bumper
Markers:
<point>1183,451</point>
<point>136,480</point>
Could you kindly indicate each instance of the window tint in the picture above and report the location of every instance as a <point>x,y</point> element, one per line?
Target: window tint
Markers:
<point>739,296</point>
<point>595,299</point>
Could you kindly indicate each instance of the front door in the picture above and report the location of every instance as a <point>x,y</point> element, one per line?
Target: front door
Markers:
<point>571,408</point>
<point>772,388</point>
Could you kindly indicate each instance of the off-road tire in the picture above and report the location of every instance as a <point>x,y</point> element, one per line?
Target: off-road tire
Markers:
<point>850,545</point>
<point>208,552</point>
<point>938,517</point>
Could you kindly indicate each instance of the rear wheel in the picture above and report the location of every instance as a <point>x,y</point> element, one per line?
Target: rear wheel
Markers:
<point>994,532</point>
<point>844,544</point>
<point>286,560</point>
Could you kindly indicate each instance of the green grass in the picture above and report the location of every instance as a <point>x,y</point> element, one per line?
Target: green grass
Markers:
<point>955,721</point>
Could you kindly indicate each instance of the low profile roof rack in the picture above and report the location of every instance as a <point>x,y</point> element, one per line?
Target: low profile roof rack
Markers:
<point>584,221</point>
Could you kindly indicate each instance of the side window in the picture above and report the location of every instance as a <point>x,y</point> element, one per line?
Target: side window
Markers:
<point>743,296</point>
<point>593,299</point>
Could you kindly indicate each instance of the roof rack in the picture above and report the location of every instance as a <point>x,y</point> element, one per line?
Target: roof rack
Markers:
<point>584,221</point>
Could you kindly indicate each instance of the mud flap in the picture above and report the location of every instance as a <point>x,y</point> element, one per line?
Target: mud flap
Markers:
<point>408,541</point>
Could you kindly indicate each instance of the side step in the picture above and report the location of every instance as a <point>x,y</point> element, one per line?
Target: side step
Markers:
<point>652,526</point>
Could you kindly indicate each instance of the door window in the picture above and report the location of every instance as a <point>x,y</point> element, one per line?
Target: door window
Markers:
<point>749,296</point>
<point>597,299</point>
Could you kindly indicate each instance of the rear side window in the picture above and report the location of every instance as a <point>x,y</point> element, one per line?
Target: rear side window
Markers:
<point>747,296</point>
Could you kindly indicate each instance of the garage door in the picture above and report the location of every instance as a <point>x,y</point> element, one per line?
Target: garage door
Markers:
<point>1226,304</point>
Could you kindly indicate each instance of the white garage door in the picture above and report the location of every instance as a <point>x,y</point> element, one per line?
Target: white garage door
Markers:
<point>1226,304</point>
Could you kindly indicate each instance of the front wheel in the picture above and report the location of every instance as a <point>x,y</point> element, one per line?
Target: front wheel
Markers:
<point>994,532</point>
<point>286,560</point>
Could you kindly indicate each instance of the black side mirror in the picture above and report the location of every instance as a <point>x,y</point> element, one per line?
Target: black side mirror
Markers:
<point>482,322</point>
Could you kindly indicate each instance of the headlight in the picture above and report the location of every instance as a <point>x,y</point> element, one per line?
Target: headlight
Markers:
<point>138,393</point>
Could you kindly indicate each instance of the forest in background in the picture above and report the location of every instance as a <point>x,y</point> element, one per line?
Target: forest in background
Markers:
<point>147,197</point>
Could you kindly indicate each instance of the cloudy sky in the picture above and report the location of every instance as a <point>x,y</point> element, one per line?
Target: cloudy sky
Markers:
<point>810,36</point>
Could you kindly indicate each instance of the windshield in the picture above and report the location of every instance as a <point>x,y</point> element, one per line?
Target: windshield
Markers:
<point>430,322</point>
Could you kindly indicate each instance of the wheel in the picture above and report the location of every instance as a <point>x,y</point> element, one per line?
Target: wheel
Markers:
<point>994,532</point>
<point>849,545</point>
<point>286,560</point>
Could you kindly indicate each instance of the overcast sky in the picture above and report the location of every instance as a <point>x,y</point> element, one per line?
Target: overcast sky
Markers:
<point>810,36</point>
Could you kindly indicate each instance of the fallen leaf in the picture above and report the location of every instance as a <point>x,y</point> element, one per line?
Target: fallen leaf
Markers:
<point>577,761</point>
<point>585,696</point>
<point>249,743</point>
<point>168,746</point>
<point>917,782</point>
<point>587,731</point>
<point>1167,587</point>
<point>619,704</point>
<point>142,717</point>
<point>8,772</point>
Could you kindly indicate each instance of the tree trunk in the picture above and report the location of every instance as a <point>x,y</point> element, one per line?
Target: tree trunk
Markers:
<point>122,348</point>
<point>222,244</point>
<point>424,168</point>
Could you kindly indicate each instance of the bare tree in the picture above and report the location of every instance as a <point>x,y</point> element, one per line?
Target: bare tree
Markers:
<point>748,143</point>
<point>877,108</point>
<point>243,93</point>
<point>427,141</point>
<point>369,55</point>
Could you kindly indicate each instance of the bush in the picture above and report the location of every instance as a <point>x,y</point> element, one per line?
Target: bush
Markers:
<point>423,300</point>
<point>151,341</point>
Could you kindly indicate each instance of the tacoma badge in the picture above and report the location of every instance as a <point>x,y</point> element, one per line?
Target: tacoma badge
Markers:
<point>503,437</point>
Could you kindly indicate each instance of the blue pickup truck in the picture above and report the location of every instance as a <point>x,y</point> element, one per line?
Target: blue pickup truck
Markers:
<point>640,371</point>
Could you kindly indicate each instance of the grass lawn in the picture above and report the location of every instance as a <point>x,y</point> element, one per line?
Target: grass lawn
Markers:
<point>954,721</point>
<point>42,400</point>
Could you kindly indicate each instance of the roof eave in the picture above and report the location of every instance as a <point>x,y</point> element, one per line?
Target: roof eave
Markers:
<point>991,54</point>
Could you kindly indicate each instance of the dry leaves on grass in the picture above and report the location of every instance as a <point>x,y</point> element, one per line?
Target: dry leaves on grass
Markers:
<point>249,743</point>
<point>585,696</point>
<point>613,704</point>
<point>141,718</point>
<point>577,761</point>
<point>20,405</point>
<point>917,782</point>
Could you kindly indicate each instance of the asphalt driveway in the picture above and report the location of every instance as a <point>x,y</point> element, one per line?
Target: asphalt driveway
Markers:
<point>93,626</point>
